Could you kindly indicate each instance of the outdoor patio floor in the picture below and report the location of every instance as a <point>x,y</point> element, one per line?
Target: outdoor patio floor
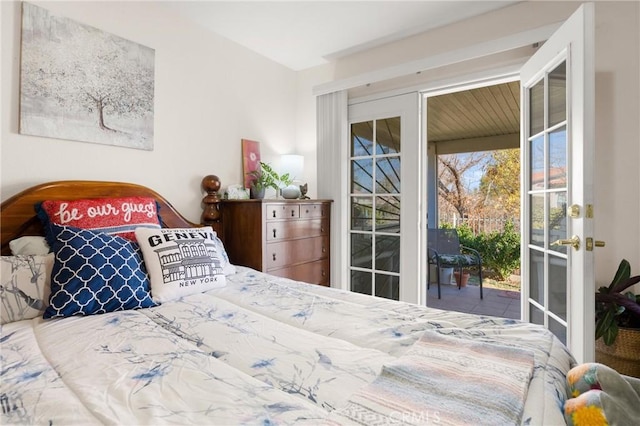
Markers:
<point>496,302</point>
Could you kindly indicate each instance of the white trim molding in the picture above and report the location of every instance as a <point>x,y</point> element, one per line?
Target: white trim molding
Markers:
<point>490,47</point>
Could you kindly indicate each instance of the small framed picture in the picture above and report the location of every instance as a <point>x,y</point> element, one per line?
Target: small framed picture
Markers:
<point>250,159</point>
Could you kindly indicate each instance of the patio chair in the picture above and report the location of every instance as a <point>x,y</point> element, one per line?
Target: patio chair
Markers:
<point>444,250</point>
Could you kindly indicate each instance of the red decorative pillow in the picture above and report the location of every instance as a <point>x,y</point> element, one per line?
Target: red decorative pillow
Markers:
<point>113,216</point>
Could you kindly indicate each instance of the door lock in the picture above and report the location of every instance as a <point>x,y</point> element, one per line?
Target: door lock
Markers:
<point>574,242</point>
<point>574,211</point>
<point>590,243</point>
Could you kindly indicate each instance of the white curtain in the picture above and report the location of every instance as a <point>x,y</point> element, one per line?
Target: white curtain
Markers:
<point>332,140</point>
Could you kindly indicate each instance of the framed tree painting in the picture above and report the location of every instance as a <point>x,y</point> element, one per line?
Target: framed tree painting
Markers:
<point>250,159</point>
<point>83,84</point>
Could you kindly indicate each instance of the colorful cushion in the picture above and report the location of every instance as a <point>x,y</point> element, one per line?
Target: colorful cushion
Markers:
<point>114,216</point>
<point>181,261</point>
<point>95,273</point>
<point>29,245</point>
<point>25,286</point>
<point>599,395</point>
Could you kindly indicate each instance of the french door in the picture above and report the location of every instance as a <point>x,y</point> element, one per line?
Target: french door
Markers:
<point>557,141</point>
<point>383,240</point>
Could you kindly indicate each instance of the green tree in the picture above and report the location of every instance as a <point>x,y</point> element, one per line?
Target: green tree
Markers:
<point>500,185</point>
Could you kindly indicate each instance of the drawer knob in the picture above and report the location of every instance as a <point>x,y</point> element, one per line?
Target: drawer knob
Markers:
<point>324,273</point>
<point>274,257</point>
<point>274,233</point>
<point>324,250</point>
<point>307,211</point>
<point>293,213</point>
<point>274,213</point>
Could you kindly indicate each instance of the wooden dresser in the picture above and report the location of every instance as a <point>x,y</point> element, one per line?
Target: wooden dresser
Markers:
<point>287,238</point>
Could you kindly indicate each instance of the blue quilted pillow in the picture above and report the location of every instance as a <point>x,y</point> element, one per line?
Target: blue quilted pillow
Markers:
<point>95,273</point>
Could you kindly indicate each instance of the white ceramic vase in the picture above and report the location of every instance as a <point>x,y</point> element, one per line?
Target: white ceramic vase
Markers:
<point>290,192</point>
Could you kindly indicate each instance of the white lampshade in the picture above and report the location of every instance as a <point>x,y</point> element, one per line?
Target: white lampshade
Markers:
<point>292,164</point>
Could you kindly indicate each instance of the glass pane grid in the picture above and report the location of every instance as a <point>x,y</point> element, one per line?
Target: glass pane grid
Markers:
<point>375,207</point>
<point>548,199</point>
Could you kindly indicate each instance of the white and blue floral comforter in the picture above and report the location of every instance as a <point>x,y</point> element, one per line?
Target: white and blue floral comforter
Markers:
<point>262,350</point>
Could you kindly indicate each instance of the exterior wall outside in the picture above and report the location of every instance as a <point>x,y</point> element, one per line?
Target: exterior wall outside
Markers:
<point>209,93</point>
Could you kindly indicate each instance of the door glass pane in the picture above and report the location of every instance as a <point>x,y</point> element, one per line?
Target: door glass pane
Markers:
<point>536,270</point>
<point>361,282</point>
<point>536,219</point>
<point>361,139</point>
<point>557,227</point>
<point>361,213</point>
<point>362,176</point>
<point>536,107</point>
<point>361,251</point>
<point>388,286</point>
<point>388,135</point>
<point>558,286</point>
<point>388,175</point>
<point>388,253</point>
<point>536,316</point>
<point>388,214</point>
<point>558,95</point>
<point>557,171</point>
<point>558,329</point>
<point>536,155</point>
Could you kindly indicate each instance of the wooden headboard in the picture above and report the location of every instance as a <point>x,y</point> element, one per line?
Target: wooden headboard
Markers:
<point>18,217</point>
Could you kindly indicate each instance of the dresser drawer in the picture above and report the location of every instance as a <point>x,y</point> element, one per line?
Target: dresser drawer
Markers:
<point>282,211</point>
<point>313,210</point>
<point>285,230</point>
<point>283,253</point>
<point>313,272</point>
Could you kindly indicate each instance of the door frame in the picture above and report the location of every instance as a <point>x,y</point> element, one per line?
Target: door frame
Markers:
<point>453,87</point>
<point>479,78</point>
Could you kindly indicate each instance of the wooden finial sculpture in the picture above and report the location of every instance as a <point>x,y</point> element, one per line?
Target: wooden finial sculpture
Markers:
<point>210,212</point>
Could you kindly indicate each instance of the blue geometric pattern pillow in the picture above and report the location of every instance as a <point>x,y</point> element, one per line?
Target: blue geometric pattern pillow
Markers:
<point>95,273</point>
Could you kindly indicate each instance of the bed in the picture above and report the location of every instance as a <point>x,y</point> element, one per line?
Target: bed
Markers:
<point>258,349</point>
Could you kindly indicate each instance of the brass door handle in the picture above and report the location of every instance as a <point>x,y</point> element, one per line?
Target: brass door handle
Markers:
<point>574,242</point>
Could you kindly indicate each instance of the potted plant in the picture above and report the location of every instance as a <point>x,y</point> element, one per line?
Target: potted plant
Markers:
<point>618,323</point>
<point>463,279</point>
<point>265,177</point>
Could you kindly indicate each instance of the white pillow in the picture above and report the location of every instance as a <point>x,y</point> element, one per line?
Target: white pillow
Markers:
<point>29,245</point>
<point>181,261</point>
<point>25,286</point>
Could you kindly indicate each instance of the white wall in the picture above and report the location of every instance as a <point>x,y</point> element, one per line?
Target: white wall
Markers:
<point>306,121</point>
<point>617,176</point>
<point>617,180</point>
<point>209,93</point>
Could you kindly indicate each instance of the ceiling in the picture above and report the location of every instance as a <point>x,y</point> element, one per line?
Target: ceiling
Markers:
<point>305,34</point>
<point>484,112</point>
